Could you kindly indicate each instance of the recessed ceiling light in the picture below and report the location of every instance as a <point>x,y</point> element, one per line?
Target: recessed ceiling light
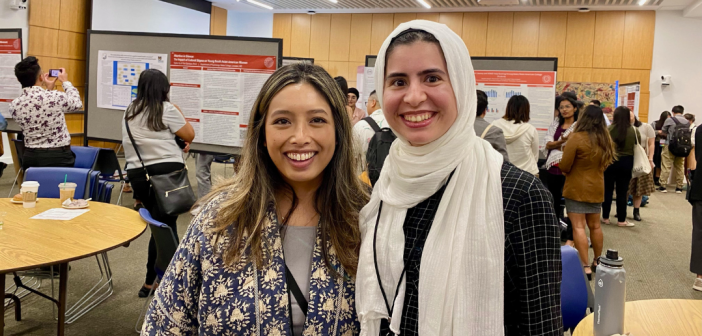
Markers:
<point>424,3</point>
<point>260,4</point>
<point>642,2</point>
<point>334,1</point>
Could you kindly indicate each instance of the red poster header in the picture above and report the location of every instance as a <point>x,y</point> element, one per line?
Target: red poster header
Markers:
<point>223,61</point>
<point>10,46</point>
<point>515,77</point>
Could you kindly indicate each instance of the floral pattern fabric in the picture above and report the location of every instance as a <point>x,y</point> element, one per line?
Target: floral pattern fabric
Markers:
<point>40,114</point>
<point>201,295</point>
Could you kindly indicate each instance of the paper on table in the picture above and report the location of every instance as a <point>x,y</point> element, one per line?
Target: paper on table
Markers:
<point>60,214</point>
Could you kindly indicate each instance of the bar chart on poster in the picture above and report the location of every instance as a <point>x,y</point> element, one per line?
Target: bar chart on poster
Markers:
<point>118,75</point>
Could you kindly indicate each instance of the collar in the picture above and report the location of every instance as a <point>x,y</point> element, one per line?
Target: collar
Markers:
<point>377,113</point>
<point>33,88</point>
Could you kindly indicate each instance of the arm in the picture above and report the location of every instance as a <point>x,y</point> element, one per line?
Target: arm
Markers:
<point>70,98</point>
<point>535,144</point>
<point>569,151</point>
<point>533,265</point>
<point>187,132</point>
<point>496,138</point>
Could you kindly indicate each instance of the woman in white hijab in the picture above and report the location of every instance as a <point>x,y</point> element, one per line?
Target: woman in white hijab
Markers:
<point>483,231</point>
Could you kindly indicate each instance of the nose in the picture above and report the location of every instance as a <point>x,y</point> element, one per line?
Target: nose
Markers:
<point>415,94</point>
<point>301,135</point>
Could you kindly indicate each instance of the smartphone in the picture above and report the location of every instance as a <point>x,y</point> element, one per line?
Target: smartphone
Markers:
<point>54,72</point>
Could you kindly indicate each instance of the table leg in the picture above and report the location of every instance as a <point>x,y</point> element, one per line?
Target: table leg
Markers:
<point>63,286</point>
<point>2,306</point>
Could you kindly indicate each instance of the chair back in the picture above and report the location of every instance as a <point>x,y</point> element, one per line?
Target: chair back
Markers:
<point>19,147</point>
<point>165,239</point>
<point>107,163</point>
<point>94,185</point>
<point>107,193</point>
<point>86,157</point>
<point>573,288</point>
<point>50,177</point>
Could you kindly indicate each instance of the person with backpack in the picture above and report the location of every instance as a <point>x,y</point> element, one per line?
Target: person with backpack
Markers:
<point>363,133</point>
<point>678,146</point>
<point>486,131</point>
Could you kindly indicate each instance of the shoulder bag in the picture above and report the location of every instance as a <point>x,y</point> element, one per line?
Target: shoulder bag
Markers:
<point>174,194</point>
<point>641,165</point>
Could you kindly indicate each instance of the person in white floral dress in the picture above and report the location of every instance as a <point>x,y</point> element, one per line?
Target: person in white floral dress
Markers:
<point>288,220</point>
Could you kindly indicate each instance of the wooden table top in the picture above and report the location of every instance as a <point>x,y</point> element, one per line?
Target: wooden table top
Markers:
<point>29,243</point>
<point>655,318</point>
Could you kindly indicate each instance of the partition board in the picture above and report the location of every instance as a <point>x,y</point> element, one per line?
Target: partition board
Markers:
<point>105,124</point>
<point>13,34</point>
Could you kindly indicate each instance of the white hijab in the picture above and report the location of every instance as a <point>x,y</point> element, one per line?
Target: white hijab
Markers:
<point>462,265</point>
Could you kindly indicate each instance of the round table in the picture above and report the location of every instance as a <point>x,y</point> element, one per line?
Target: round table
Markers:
<point>31,243</point>
<point>655,318</point>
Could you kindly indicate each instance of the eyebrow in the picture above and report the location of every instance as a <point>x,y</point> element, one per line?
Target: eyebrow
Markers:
<point>286,112</point>
<point>421,73</point>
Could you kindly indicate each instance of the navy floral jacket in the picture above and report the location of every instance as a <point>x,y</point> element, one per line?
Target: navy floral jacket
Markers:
<point>200,295</point>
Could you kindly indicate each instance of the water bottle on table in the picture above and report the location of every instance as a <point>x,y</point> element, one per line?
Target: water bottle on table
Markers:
<point>610,295</point>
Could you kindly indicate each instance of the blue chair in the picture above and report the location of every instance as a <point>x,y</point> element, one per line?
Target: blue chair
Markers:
<point>107,193</point>
<point>226,160</point>
<point>574,291</point>
<point>86,157</point>
<point>94,185</point>
<point>108,164</point>
<point>50,177</point>
<point>166,245</point>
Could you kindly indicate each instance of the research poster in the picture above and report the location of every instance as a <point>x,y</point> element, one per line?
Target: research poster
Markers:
<point>368,85</point>
<point>217,91</point>
<point>118,75</point>
<point>10,88</point>
<point>537,86</point>
<point>629,96</point>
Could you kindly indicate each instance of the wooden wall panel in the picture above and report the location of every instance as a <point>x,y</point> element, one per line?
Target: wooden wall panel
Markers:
<point>642,76</point>
<point>339,69</point>
<point>44,13</point>
<point>606,75</point>
<point>580,40</point>
<point>428,16</point>
<point>499,34</point>
<point>319,36</point>
<point>300,35</point>
<point>552,35</point>
<point>218,21</point>
<point>644,102</point>
<point>403,17</point>
<point>42,41</point>
<point>282,27</point>
<point>525,34</point>
<point>381,29</point>
<point>340,37</point>
<point>475,32</point>
<point>71,45</point>
<point>609,39</point>
<point>638,39</point>
<point>74,15</point>
<point>361,26</point>
<point>453,21</point>
<point>576,74</point>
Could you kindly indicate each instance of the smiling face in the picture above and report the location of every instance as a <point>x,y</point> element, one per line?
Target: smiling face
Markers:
<point>300,136</point>
<point>418,99</point>
<point>352,99</point>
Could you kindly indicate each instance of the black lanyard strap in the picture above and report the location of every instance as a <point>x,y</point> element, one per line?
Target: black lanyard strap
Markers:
<point>296,292</point>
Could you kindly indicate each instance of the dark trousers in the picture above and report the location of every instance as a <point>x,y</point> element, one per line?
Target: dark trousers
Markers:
<point>617,175</point>
<point>554,184</point>
<point>696,253</point>
<point>53,157</point>
<point>143,192</point>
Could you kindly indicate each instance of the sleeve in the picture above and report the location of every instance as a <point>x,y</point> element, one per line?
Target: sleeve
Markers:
<point>569,151</point>
<point>666,125</point>
<point>174,309</point>
<point>533,264</point>
<point>173,119</point>
<point>496,137</point>
<point>70,98</point>
<point>535,144</point>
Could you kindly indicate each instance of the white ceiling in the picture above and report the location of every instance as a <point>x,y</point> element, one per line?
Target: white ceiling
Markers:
<point>397,6</point>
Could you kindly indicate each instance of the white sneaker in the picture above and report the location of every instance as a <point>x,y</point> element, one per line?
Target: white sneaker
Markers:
<point>626,224</point>
<point>698,285</point>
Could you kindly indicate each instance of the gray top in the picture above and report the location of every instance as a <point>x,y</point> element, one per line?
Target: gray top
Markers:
<point>154,147</point>
<point>298,246</point>
<point>669,126</point>
<point>494,136</point>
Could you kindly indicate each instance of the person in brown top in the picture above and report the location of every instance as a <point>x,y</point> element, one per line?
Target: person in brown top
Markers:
<point>588,151</point>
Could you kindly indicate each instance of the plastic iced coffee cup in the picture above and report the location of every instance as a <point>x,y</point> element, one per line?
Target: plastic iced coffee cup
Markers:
<point>29,192</point>
<point>66,190</point>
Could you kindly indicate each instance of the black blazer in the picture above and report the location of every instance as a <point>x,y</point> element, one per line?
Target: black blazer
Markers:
<point>695,193</point>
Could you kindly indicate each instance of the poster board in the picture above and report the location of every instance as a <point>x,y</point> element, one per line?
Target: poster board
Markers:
<point>293,60</point>
<point>606,93</point>
<point>501,78</point>
<point>10,88</point>
<point>629,95</point>
<point>104,124</point>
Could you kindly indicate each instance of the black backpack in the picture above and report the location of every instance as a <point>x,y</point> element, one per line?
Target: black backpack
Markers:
<point>680,144</point>
<point>378,149</point>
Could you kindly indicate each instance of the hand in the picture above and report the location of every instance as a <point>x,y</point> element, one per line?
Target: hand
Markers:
<point>48,82</point>
<point>187,147</point>
<point>63,75</point>
<point>653,165</point>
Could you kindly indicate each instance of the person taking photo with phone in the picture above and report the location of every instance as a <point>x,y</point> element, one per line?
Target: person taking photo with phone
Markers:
<point>39,111</point>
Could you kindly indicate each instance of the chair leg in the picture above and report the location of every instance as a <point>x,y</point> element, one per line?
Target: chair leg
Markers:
<point>14,183</point>
<point>103,290</point>
<point>142,315</point>
<point>121,191</point>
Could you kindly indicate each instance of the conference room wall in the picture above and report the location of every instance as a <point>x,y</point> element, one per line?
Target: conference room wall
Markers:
<point>149,16</point>
<point>591,47</point>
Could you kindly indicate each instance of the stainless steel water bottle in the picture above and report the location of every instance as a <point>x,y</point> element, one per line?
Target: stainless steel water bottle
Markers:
<point>610,295</point>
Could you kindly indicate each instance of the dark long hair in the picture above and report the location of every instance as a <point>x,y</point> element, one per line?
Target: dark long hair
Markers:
<point>518,109</point>
<point>593,123</point>
<point>152,91</point>
<point>661,120</point>
<point>621,123</point>
<point>241,216</point>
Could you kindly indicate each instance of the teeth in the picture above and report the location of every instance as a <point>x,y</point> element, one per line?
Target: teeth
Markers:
<point>300,156</point>
<point>417,117</point>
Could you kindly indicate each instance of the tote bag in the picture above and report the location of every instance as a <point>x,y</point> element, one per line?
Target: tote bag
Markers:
<point>641,165</point>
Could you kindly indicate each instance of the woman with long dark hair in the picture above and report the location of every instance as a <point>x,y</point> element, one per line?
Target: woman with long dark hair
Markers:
<point>587,153</point>
<point>555,140</point>
<point>658,145</point>
<point>643,185</point>
<point>275,249</point>
<point>625,137</point>
<point>154,123</point>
